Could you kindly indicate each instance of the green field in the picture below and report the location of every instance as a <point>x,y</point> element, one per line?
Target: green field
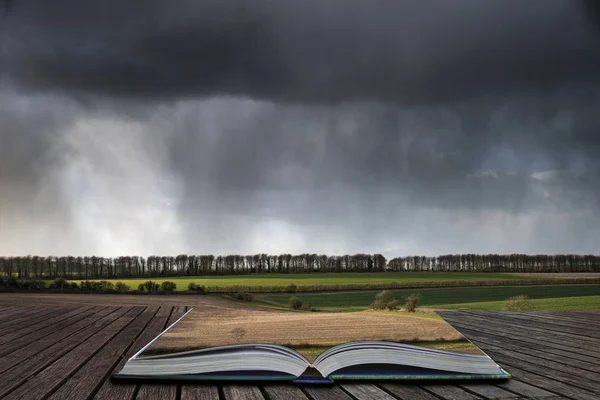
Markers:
<point>342,279</point>
<point>566,297</point>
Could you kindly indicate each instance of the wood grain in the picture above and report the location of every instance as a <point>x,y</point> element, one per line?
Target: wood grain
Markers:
<point>199,392</point>
<point>242,392</point>
<point>70,352</point>
<point>52,377</point>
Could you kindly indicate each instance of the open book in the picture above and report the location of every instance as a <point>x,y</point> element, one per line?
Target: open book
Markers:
<point>183,351</point>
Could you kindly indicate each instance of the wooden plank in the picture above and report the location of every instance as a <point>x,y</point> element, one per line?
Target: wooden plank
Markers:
<point>582,327</point>
<point>587,315</point>
<point>20,311</point>
<point>366,391</point>
<point>284,392</point>
<point>408,391</point>
<point>512,348</point>
<point>155,392</point>
<point>5,308</point>
<point>49,319</point>
<point>37,335</point>
<point>242,392</point>
<point>111,390</point>
<point>551,385</point>
<point>516,322</point>
<point>525,342</point>
<point>579,344</point>
<point>27,320</point>
<point>545,324</point>
<point>549,370</point>
<point>543,353</point>
<point>523,389</point>
<point>488,391</point>
<point>592,377</point>
<point>30,316</point>
<point>199,392</point>
<point>7,312</point>
<point>326,393</point>
<point>89,377</point>
<point>44,344</point>
<point>559,347</point>
<point>27,315</point>
<point>548,383</point>
<point>49,379</point>
<point>531,326</point>
<point>548,315</point>
<point>449,392</point>
<point>13,377</point>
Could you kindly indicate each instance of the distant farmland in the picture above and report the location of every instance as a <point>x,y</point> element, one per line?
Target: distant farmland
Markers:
<point>558,297</point>
<point>337,281</point>
<point>361,281</point>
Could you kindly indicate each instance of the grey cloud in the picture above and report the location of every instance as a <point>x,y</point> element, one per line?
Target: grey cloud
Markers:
<point>233,127</point>
<point>229,174</point>
<point>363,168</point>
<point>407,52</point>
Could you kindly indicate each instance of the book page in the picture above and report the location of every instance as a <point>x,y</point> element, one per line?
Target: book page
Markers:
<point>309,333</point>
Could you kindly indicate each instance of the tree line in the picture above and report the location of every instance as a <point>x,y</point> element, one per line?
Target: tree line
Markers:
<point>93,267</point>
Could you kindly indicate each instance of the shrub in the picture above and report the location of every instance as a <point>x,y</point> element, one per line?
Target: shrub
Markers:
<point>291,288</point>
<point>11,282</point>
<point>168,286</point>
<point>88,286</point>
<point>24,284</point>
<point>309,307</point>
<point>60,284</point>
<point>149,286</point>
<point>122,287</point>
<point>382,299</point>
<point>73,286</point>
<point>192,287</point>
<point>97,286</point>
<point>105,286</point>
<point>295,303</point>
<point>412,301</point>
<point>36,285</point>
<point>392,305</point>
<point>243,296</point>
<point>520,303</point>
<point>30,284</point>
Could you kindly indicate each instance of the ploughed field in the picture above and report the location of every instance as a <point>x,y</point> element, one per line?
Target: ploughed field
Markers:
<point>547,297</point>
<point>307,332</point>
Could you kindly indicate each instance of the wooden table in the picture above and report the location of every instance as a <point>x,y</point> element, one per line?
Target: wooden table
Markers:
<point>70,351</point>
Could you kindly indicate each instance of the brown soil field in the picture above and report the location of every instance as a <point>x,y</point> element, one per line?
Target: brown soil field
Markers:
<point>298,329</point>
<point>208,303</point>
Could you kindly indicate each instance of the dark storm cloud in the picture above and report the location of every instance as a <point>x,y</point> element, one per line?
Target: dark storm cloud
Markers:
<point>408,51</point>
<point>472,155</point>
<point>329,126</point>
<point>228,175</point>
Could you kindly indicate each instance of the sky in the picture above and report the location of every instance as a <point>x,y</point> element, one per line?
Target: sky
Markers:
<point>336,126</point>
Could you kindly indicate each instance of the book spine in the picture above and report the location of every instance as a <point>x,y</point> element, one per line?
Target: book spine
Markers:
<point>313,380</point>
